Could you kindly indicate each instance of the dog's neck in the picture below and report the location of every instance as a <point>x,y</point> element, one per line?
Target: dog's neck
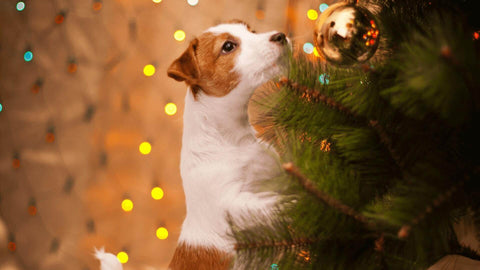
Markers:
<point>221,119</point>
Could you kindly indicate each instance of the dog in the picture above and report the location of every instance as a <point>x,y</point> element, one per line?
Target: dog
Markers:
<point>221,157</point>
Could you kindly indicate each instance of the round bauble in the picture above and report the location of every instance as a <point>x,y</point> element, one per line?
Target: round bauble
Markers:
<point>346,34</point>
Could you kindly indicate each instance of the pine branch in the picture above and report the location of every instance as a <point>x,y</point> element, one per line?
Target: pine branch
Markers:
<point>308,185</point>
<point>283,243</point>
<point>404,231</point>
<point>316,96</point>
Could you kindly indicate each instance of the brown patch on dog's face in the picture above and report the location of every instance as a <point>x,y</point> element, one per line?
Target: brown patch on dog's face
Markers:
<point>207,64</point>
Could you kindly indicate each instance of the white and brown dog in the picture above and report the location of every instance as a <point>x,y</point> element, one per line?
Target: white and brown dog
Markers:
<point>221,157</point>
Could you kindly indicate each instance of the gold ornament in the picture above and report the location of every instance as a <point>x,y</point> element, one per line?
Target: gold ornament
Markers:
<point>346,34</point>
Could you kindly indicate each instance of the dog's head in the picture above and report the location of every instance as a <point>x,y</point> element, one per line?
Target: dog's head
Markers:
<point>229,54</point>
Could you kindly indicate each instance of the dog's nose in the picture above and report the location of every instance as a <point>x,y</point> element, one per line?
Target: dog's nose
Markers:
<point>279,38</point>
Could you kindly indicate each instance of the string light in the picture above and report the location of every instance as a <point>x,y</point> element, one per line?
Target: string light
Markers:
<point>122,256</point>
<point>145,148</point>
<point>60,18</point>
<point>192,2</point>
<point>260,14</point>
<point>20,6</point>
<point>312,14</point>
<point>156,1</point>
<point>28,56</point>
<point>32,208</point>
<point>323,7</point>
<point>170,108</point>
<point>157,193</point>
<point>149,70</point>
<point>324,78</point>
<point>162,233</point>
<point>12,246</point>
<point>127,205</point>
<point>16,161</point>
<point>72,66</point>
<point>50,137</point>
<point>325,146</point>
<point>308,48</point>
<point>97,5</point>
<point>179,35</point>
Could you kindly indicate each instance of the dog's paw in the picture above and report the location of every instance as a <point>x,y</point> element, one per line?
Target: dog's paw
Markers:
<point>108,261</point>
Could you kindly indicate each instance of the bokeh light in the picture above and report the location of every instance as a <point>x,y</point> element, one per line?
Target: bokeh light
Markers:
<point>28,56</point>
<point>315,52</point>
<point>145,148</point>
<point>162,233</point>
<point>32,210</point>
<point>122,256</point>
<point>179,35</point>
<point>157,1</point>
<point>323,7</point>
<point>50,137</point>
<point>59,18</point>
<point>312,14</point>
<point>1,107</point>
<point>192,2</point>
<point>260,14</point>
<point>127,205</point>
<point>20,6</point>
<point>72,67</point>
<point>16,163</point>
<point>149,70</point>
<point>12,246</point>
<point>157,193</point>
<point>170,108</point>
<point>308,48</point>
<point>97,5</point>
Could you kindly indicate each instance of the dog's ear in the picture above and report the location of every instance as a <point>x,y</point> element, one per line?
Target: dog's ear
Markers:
<point>185,68</point>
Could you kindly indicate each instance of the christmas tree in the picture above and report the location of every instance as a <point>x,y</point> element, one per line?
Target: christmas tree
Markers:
<point>378,140</point>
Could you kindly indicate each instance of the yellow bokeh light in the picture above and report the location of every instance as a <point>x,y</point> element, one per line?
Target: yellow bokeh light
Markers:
<point>157,1</point>
<point>157,193</point>
<point>149,70</point>
<point>170,108</point>
<point>145,148</point>
<point>162,233</point>
<point>315,52</point>
<point>122,256</point>
<point>127,205</point>
<point>312,14</point>
<point>179,35</point>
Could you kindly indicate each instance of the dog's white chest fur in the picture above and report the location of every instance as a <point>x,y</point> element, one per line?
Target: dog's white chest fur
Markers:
<point>221,158</point>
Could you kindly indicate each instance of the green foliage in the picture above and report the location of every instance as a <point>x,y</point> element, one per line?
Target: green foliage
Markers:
<point>396,140</point>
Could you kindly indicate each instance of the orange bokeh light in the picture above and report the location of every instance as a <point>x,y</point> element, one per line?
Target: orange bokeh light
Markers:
<point>12,246</point>
<point>72,67</point>
<point>32,210</point>
<point>16,163</point>
<point>50,137</point>
<point>59,19</point>
<point>97,6</point>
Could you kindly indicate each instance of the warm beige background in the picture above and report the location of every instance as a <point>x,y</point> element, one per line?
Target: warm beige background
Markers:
<point>111,47</point>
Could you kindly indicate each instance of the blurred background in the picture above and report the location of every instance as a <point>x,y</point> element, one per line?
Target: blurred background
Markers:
<point>91,126</point>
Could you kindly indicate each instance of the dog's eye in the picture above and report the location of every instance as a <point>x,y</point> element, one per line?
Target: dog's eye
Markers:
<point>228,47</point>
